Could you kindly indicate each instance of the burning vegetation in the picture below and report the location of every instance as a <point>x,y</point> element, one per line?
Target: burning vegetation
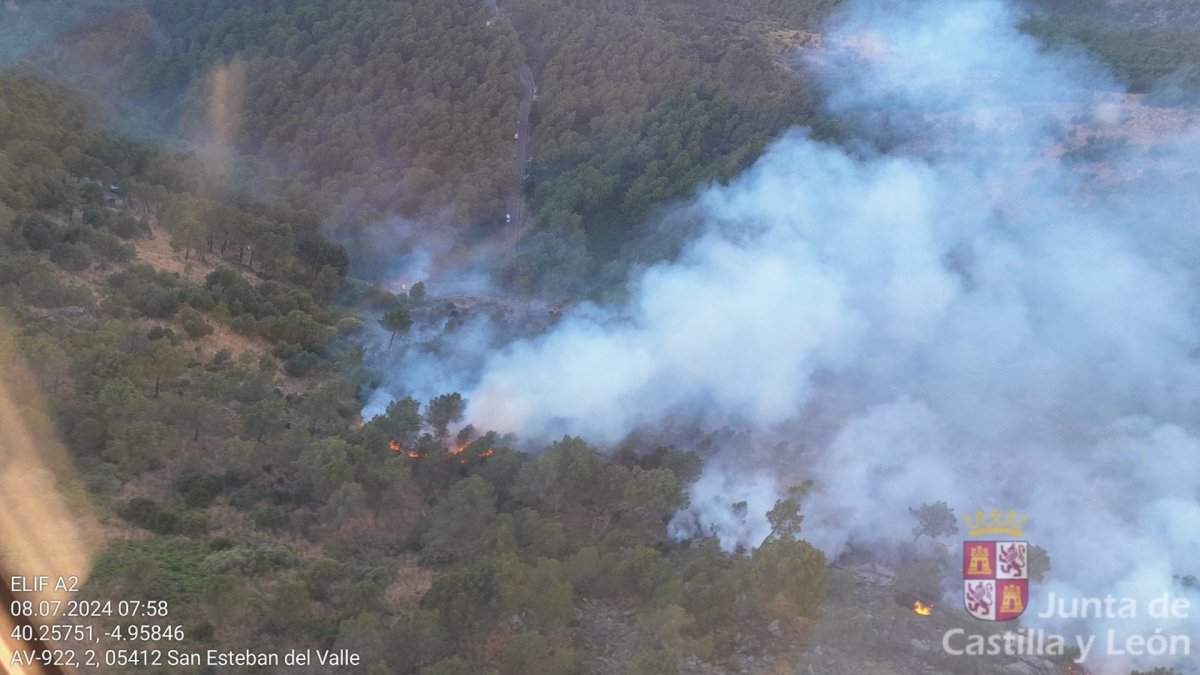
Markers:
<point>411,454</point>
<point>458,450</point>
<point>922,608</point>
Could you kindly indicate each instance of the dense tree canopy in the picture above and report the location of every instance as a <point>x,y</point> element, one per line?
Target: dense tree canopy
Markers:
<point>639,104</point>
<point>196,341</point>
<point>386,107</point>
<point>365,109</point>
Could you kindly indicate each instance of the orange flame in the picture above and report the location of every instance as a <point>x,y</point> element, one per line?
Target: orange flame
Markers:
<point>395,447</point>
<point>922,608</point>
<point>455,451</point>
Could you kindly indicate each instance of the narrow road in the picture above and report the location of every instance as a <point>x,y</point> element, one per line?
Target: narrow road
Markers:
<point>515,206</point>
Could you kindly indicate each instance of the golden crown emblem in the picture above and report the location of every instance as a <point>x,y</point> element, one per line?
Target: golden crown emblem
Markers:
<point>995,522</point>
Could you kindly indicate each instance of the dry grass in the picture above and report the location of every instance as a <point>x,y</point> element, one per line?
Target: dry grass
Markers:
<point>403,595</point>
<point>224,338</point>
<point>155,250</point>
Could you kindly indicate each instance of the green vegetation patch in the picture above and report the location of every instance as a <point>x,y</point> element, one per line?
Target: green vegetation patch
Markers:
<point>156,569</point>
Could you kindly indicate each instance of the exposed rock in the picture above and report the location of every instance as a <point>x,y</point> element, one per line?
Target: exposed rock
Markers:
<point>1153,13</point>
<point>515,624</point>
<point>75,315</point>
<point>1042,665</point>
<point>775,629</point>
<point>1021,668</point>
<point>874,573</point>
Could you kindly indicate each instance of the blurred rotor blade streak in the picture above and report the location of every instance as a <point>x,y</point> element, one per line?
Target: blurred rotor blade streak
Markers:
<point>46,524</point>
<point>9,645</point>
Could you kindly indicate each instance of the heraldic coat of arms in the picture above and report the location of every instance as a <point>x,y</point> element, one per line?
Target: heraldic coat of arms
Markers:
<point>996,572</point>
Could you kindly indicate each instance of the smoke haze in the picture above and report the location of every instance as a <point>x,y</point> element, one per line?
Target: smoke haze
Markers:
<point>966,317</point>
<point>25,25</point>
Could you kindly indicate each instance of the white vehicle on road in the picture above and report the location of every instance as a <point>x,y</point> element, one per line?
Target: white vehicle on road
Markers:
<point>508,217</point>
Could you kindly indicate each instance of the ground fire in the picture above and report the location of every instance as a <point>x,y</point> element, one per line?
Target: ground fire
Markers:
<point>454,451</point>
<point>395,447</point>
<point>922,608</point>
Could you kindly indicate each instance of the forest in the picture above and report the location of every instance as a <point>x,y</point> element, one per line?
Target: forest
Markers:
<point>196,337</point>
<point>644,102</point>
<point>276,517</point>
<point>388,108</point>
<point>1157,56</point>
<point>365,111</point>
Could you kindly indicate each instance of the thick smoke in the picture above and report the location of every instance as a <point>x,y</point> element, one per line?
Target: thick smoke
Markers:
<point>976,315</point>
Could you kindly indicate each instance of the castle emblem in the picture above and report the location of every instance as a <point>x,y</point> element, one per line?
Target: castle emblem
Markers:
<point>996,572</point>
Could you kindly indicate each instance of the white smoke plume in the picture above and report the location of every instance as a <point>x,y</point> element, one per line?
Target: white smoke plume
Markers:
<point>971,316</point>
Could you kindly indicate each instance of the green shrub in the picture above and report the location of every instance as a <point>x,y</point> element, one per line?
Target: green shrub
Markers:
<point>39,234</point>
<point>126,226</point>
<point>166,569</point>
<point>787,568</point>
<point>529,654</point>
<point>199,491</point>
<point>160,333</point>
<point>286,350</point>
<point>150,515</point>
<point>297,327</point>
<point>244,324</point>
<point>248,560</point>
<point>660,662</point>
<point>199,297</point>
<point>91,193</point>
<point>301,364</point>
<point>111,249</point>
<point>98,217</point>
<point>76,232</point>
<point>73,257</point>
<point>154,301</point>
<point>350,326</point>
<point>104,480</point>
<point>269,518</point>
<point>194,323</point>
<point>137,447</point>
